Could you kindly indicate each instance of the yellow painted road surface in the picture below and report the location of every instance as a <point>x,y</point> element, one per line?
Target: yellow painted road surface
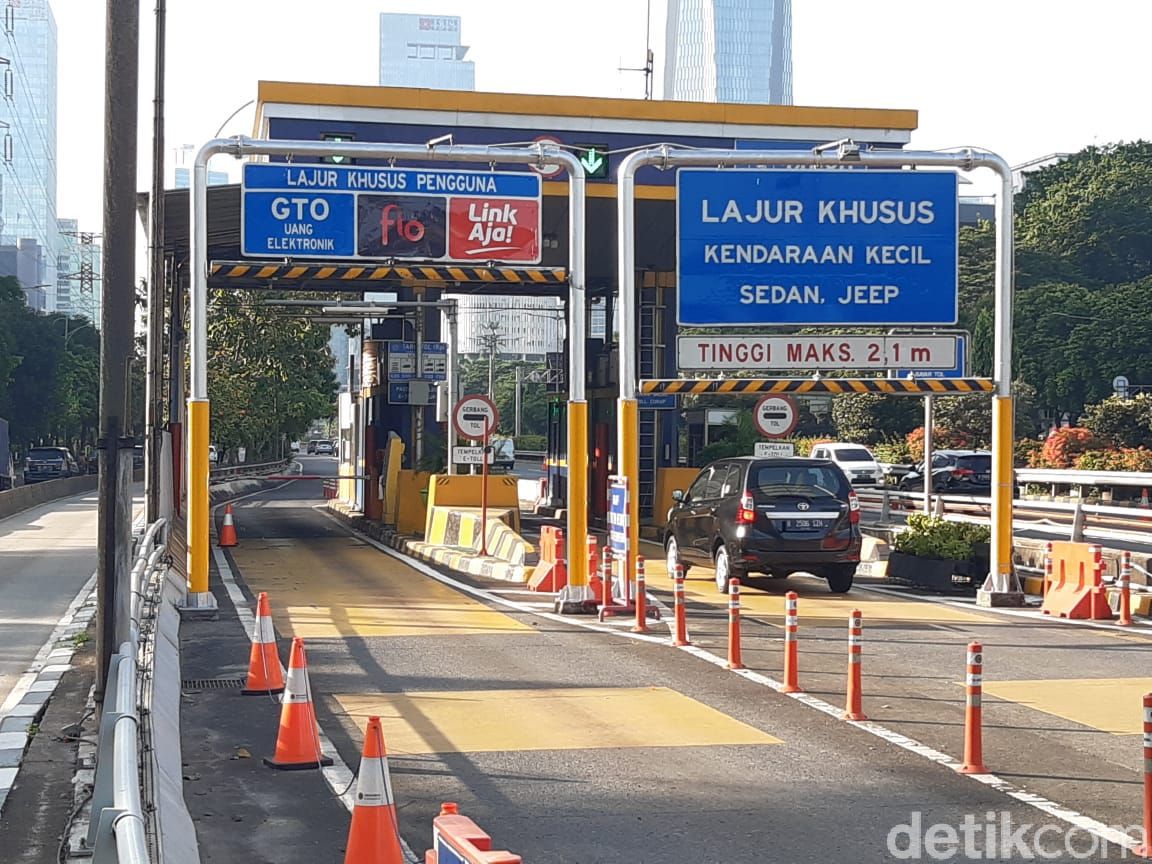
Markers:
<point>339,586</point>
<point>547,719</point>
<point>815,604</point>
<point>1107,704</point>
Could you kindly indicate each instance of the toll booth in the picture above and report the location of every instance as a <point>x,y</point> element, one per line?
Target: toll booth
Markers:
<point>606,127</point>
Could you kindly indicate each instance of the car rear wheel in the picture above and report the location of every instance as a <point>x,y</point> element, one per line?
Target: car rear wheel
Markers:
<point>723,569</point>
<point>840,578</point>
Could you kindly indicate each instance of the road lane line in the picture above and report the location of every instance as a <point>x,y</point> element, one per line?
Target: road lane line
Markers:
<point>992,781</point>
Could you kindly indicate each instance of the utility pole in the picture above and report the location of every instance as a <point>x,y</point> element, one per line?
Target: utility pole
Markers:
<point>121,94</point>
<point>491,341</point>
<point>519,385</point>
<point>155,282</point>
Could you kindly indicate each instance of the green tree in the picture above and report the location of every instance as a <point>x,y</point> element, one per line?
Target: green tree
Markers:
<point>1121,422</point>
<point>270,375</point>
<point>869,418</point>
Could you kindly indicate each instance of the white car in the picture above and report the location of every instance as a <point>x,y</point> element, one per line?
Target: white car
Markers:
<point>856,461</point>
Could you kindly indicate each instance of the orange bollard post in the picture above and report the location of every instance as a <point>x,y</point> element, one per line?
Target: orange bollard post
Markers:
<point>641,625</point>
<point>735,661</point>
<point>973,712</point>
<point>791,647</point>
<point>1125,585</point>
<point>1145,850</point>
<point>1047,568</point>
<point>606,576</point>
<point>854,710</point>
<point>681,633</point>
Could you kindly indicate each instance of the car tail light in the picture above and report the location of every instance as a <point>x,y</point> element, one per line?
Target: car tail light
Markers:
<point>853,507</point>
<point>962,472</point>
<point>746,515</point>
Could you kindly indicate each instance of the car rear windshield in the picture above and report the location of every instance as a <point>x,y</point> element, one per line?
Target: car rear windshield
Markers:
<point>979,464</point>
<point>772,480</point>
<point>45,453</point>
<point>852,454</point>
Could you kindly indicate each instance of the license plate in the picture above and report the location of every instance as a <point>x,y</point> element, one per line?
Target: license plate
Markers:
<point>867,477</point>
<point>983,478</point>
<point>801,525</point>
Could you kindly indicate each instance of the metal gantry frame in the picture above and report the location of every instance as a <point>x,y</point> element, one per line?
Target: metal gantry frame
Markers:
<point>540,155</point>
<point>1001,586</point>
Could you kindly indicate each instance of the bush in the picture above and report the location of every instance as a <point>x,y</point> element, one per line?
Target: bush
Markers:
<point>1121,422</point>
<point>868,418</point>
<point>934,537</point>
<point>1064,447</point>
<point>531,443</point>
<point>1123,459</point>
<point>893,452</point>
<point>1028,453</point>
<point>942,439</point>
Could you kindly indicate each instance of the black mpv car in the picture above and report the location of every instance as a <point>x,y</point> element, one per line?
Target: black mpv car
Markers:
<point>770,516</point>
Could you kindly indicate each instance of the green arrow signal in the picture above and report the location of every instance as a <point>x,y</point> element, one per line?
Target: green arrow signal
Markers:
<point>592,161</point>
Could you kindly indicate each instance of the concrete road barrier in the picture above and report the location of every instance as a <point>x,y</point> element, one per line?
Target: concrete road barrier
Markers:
<point>13,501</point>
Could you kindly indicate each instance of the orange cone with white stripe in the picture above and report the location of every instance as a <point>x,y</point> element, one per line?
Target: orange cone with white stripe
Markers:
<point>265,676</point>
<point>298,744</point>
<point>374,837</point>
<point>228,529</point>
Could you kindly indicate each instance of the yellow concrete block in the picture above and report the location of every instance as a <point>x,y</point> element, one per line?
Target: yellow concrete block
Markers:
<point>411,508</point>
<point>466,490</point>
<point>554,719</point>
<point>1108,704</point>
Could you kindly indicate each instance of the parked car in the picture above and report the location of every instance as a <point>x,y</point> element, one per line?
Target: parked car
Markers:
<point>312,447</point>
<point>962,472</point>
<point>325,448</point>
<point>769,516</point>
<point>503,454</point>
<point>857,462</point>
<point>49,463</point>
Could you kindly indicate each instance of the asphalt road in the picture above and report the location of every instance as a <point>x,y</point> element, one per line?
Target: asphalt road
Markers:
<point>46,555</point>
<point>574,746</point>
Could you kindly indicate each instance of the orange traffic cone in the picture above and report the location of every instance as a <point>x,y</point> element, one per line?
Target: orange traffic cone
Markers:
<point>374,836</point>
<point>265,676</point>
<point>228,529</point>
<point>298,744</point>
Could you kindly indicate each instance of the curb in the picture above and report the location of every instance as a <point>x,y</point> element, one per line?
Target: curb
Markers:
<point>38,685</point>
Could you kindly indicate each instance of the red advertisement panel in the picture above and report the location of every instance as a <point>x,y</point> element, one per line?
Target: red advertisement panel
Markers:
<point>494,229</point>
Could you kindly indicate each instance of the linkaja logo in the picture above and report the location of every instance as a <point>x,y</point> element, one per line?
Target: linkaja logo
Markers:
<point>498,229</point>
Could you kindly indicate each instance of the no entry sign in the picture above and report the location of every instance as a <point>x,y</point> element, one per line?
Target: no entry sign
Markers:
<point>475,417</point>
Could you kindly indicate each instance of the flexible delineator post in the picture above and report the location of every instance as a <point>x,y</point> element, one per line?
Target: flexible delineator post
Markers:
<point>1146,849</point>
<point>973,712</point>
<point>606,576</point>
<point>854,709</point>
<point>734,659</point>
<point>681,635</point>
<point>791,646</point>
<point>1125,585</point>
<point>641,625</point>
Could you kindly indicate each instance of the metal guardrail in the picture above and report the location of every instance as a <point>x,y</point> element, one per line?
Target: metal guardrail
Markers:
<point>117,831</point>
<point>1068,477</point>
<point>235,472</point>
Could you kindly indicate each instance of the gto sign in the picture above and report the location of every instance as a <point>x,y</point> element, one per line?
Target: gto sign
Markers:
<point>327,211</point>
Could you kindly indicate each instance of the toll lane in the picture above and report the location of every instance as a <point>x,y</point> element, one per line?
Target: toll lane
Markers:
<point>570,745</point>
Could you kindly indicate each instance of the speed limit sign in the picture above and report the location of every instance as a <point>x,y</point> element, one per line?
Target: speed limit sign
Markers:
<point>776,416</point>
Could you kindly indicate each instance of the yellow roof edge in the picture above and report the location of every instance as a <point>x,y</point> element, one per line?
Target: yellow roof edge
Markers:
<point>362,96</point>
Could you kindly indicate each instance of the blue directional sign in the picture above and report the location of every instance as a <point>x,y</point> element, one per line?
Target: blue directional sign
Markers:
<point>656,401</point>
<point>618,518</point>
<point>816,247</point>
<point>340,211</point>
<point>960,370</point>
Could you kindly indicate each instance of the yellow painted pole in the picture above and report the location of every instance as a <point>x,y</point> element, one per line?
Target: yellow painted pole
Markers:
<point>578,494</point>
<point>1002,492</point>
<point>199,514</point>
<point>629,433</point>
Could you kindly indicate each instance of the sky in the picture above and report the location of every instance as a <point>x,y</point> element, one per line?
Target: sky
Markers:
<point>1024,78</point>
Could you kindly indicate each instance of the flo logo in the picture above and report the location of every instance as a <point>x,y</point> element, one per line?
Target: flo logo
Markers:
<point>401,226</point>
<point>494,229</point>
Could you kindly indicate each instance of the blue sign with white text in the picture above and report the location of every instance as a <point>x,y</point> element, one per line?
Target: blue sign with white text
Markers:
<point>656,401</point>
<point>816,247</point>
<point>618,518</point>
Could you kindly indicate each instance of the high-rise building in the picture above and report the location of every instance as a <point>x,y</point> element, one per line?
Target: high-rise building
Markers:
<point>28,126</point>
<point>729,51</point>
<point>78,262</point>
<point>524,327</point>
<point>424,51</point>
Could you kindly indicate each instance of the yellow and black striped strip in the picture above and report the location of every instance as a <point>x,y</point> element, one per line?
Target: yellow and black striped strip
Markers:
<point>953,386</point>
<point>222,272</point>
